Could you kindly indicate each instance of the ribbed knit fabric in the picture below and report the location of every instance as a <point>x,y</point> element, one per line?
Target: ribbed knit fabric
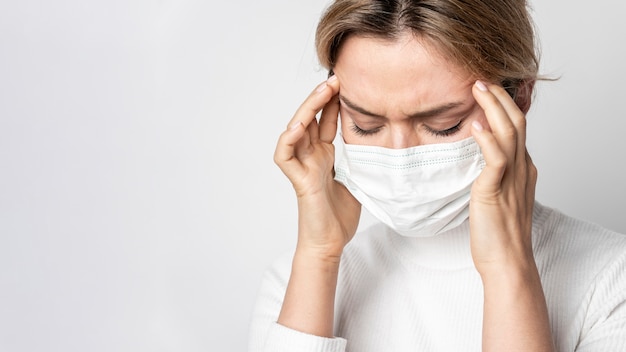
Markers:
<point>423,294</point>
<point>282,339</point>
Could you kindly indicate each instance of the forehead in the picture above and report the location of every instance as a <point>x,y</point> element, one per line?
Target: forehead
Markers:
<point>404,73</point>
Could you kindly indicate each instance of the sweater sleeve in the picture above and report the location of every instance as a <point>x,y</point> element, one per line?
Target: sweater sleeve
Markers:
<point>266,335</point>
<point>605,324</point>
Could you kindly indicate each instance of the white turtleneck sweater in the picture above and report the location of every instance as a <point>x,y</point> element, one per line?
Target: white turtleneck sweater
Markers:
<point>397,293</point>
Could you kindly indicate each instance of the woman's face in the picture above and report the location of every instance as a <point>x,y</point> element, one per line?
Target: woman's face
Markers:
<point>403,93</point>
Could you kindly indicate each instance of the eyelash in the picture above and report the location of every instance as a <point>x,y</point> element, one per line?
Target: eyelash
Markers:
<point>361,132</point>
<point>445,133</point>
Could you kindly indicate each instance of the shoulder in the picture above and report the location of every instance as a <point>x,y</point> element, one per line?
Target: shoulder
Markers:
<point>575,241</point>
<point>573,251</point>
<point>583,272</point>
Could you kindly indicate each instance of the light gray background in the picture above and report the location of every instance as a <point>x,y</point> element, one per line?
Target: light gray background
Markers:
<point>139,203</point>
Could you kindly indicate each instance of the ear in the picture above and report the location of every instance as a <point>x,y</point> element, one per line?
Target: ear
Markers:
<point>524,94</point>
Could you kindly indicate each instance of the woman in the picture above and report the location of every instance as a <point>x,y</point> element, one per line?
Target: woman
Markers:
<point>431,97</point>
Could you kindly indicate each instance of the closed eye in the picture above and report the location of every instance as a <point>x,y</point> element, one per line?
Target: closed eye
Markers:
<point>361,132</point>
<point>447,132</point>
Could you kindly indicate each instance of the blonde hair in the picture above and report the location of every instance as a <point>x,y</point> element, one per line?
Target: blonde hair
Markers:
<point>492,40</point>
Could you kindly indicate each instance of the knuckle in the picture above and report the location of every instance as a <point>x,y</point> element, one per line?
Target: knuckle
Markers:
<point>277,160</point>
<point>520,121</point>
<point>279,151</point>
<point>499,162</point>
<point>509,133</point>
<point>532,172</point>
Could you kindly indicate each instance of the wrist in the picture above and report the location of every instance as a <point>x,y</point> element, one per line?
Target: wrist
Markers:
<point>310,297</point>
<point>513,274</point>
<point>317,256</point>
<point>512,259</point>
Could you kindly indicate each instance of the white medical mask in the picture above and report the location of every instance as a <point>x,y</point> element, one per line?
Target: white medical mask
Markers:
<point>419,191</point>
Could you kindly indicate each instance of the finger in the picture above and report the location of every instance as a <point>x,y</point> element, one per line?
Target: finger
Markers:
<point>284,155</point>
<point>503,128</point>
<point>517,118</point>
<point>303,145</point>
<point>329,120</point>
<point>315,102</point>
<point>313,131</point>
<point>532,182</point>
<point>496,160</point>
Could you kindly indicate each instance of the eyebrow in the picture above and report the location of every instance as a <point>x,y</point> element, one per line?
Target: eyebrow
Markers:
<point>438,110</point>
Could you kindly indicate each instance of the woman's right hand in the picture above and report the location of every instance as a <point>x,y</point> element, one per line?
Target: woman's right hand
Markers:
<point>328,215</point>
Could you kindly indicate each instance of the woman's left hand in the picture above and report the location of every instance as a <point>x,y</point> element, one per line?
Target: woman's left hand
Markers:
<point>515,314</point>
<point>502,198</point>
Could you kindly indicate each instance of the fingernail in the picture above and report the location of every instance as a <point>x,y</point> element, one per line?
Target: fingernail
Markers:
<point>477,126</point>
<point>481,86</point>
<point>331,79</point>
<point>321,87</point>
